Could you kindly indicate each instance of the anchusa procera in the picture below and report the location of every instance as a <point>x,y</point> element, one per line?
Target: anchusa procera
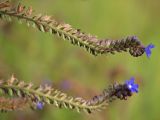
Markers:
<point>37,97</point>
<point>91,43</point>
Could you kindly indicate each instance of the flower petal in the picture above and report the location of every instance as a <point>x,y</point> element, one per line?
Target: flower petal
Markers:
<point>132,80</point>
<point>148,50</point>
<point>135,86</point>
<point>127,82</point>
<point>151,46</point>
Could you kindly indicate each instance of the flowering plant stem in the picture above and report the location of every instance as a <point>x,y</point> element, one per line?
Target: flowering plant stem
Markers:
<point>91,43</point>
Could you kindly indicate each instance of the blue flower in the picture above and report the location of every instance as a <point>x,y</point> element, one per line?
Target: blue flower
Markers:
<point>131,85</point>
<point>39,105</point>
<point>148,49</point>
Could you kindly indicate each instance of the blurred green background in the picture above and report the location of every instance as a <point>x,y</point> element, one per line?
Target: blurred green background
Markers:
<point>36,57</point>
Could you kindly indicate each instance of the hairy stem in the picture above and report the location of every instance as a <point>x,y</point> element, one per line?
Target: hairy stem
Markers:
<point>49,95</point>
<point>91,43</point>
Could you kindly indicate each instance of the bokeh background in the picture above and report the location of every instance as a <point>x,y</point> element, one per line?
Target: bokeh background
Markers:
<point>38,57</point>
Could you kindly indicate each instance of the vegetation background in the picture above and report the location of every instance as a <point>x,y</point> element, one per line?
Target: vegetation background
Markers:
<point>38,57</point>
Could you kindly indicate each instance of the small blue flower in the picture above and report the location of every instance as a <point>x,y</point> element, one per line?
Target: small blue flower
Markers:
<point>39,105</point>
<point>148,50</point>
<point>131,86</point>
